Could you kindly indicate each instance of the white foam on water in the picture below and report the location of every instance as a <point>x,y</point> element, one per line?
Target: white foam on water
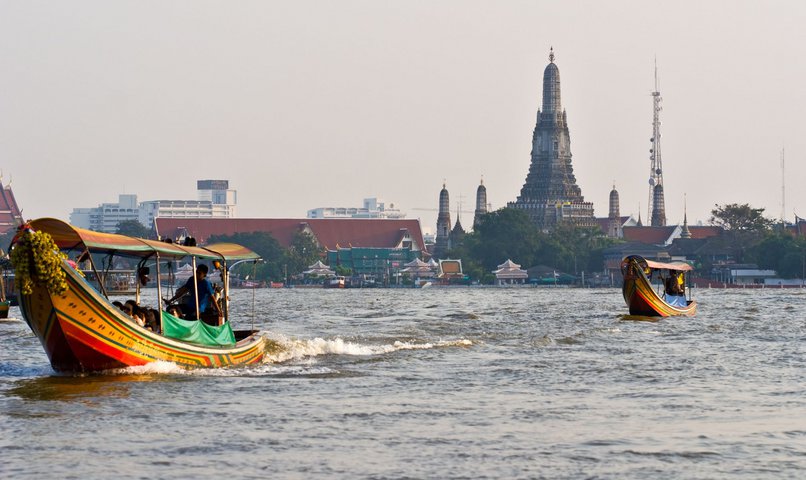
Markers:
<point>296,349</point>
<point>158,367</point>
<point>302,352</point>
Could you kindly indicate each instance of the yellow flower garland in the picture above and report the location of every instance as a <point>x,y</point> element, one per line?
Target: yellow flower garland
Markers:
<point>37,260</point>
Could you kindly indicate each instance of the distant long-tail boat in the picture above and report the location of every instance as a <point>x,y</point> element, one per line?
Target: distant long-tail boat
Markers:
<point>82,331</point>
<point>641,296</point>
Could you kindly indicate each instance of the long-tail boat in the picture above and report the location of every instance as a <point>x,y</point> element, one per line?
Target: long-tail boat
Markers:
<point>642,297</point>
<point>82,331</point>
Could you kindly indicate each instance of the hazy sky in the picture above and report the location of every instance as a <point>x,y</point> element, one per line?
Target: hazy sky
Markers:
<point>303,104</point>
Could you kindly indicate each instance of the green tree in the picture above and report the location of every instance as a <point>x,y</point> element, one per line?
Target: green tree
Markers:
<point>265,245</point>
<point>783,253</point>
<point>133,228</point>
<point>343,271</point>
<point>740,218</point>
<point>744,226</point>
<point>506,233</point>
<point>576,249</point>
<point>304,251</point>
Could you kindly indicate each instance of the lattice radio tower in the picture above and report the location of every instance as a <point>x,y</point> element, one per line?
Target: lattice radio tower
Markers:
<point>656,209</point>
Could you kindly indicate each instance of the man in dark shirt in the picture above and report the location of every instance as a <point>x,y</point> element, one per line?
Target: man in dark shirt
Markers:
<point>206,295</point>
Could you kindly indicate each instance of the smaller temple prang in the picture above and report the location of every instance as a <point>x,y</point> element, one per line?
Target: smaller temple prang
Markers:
<point>442,241</point>
<point>481,204</point>
<point>614,218</point>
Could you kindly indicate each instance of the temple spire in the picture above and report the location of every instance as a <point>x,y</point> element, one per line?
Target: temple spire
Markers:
<point>685,233</point>
<point>550,195</point>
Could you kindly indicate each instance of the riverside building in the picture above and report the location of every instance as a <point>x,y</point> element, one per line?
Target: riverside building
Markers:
<point>215,200</point>
<point>373,208</point>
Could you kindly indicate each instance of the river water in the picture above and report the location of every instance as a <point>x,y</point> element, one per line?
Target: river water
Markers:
<point>436,383</point>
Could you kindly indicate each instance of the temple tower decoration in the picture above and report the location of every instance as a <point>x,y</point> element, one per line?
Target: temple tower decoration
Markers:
<point>614,217</point>
<point>657,208</point>
<point>457,234</point>
<point>685,232</point>
<point>550,195</point>
<point>481,203</point>
<point>442,242</point>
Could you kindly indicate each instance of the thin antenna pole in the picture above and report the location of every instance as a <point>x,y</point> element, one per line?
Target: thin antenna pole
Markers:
<point>783,189</point>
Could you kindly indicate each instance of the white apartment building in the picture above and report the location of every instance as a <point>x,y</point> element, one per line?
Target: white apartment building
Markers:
<point>373,208</point>
<point>216,200</point>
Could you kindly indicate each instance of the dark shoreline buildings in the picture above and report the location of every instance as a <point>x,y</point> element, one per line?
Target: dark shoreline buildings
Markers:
<point>550,195</point>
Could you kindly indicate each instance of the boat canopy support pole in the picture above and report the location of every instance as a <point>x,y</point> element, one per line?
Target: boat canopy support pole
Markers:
<point>196,287</point>
<point>98,277</point>
<point>159,290</point>
<point>137,280</point>
<point>225,286</point>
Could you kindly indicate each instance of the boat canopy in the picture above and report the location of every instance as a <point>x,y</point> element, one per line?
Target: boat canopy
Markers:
<point>67,236</point>
<point>678,266</point>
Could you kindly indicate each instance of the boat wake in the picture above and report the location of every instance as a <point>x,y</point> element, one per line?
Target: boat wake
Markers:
<point>296,349</point>
<point>287,351</point>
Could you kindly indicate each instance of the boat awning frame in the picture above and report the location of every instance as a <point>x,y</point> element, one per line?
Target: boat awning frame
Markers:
<point>680,267</point>
<point>66,237</point>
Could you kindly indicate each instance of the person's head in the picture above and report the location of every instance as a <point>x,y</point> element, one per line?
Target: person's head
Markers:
<point>127,308</point>
<point>201,271</point>
<point>142,275</point>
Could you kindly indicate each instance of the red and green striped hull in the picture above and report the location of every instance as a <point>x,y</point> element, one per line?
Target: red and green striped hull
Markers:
<point>643,300</point>
<point>82,332</point>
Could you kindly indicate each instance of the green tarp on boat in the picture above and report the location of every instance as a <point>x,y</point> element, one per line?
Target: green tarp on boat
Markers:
<point>198,332</point>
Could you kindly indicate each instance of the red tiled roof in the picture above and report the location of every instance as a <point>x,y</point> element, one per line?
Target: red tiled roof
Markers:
<point>329,232</point>
<point>659,235</point>
<point>648,235</point>
<point>705,231</point>
<point>10,215</point>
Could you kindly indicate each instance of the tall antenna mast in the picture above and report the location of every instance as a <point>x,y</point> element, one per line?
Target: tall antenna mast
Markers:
<point>783,189</point>
<point>656,210</point>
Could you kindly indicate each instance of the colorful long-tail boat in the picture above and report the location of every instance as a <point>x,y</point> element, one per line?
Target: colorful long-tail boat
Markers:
<point>82,331</point>
<point>641,296</point>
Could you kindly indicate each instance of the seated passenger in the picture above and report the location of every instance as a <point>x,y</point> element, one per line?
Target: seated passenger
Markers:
<point>150,316</point>
<point>206,295</point>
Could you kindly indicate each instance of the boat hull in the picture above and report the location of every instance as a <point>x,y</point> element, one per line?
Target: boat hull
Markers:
<point>82,332</point>
<point>641,297</point>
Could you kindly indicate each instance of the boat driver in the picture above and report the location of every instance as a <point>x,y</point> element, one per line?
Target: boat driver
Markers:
<point>675,290</point>
<point>206,295</point>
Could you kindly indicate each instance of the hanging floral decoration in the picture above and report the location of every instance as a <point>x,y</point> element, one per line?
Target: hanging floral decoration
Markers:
<point>37,261</point>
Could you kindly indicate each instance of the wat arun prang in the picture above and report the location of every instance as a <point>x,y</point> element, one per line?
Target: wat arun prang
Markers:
<point>550,195</point>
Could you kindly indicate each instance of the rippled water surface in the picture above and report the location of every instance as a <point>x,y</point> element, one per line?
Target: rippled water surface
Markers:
<point>436,383</point>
